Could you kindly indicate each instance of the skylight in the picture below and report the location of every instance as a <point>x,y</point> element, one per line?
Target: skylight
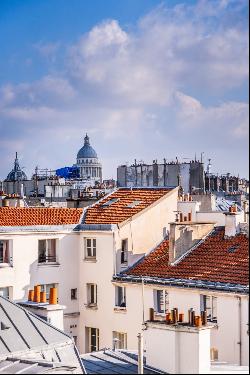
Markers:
<point>232,249</point>
<point>134,204</point>
<point>111,201</point>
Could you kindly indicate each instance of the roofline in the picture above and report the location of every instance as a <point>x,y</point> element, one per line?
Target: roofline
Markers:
<point>184,283</point>
<point>171,191</point>
<point>37,228</point>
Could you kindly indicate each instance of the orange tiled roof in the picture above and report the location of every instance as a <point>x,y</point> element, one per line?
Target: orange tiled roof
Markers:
<point>216,259</point>
<point>118,211</point>
<point>10,216</point>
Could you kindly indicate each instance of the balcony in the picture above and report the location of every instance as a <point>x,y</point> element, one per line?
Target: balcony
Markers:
<point>47,260</point>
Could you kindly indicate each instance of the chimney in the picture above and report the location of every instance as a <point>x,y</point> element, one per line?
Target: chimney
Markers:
<point>50,311</point>
<point>184,235</point>
<point>232,222</point>
<point>183,349</point>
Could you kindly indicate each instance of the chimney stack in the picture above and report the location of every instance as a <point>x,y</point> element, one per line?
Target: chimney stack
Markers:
<point>232,222</point>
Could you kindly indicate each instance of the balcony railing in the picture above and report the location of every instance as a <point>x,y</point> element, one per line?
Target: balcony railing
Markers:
<point>47,259</point>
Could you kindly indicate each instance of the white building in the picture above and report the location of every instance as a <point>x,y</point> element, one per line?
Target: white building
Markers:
<point>89,253</point>
<point>88,163</point>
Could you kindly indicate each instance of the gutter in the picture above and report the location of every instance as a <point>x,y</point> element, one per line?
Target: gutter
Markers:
<point>184,283</point>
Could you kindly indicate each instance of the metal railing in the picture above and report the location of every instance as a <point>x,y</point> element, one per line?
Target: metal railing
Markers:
<point>47,259</point>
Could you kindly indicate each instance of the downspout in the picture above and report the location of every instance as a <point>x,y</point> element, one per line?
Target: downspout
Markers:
<point>240,336</point>
<point>114,253</point>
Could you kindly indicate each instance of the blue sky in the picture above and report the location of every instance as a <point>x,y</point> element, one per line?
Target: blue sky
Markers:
<point>146,79</point>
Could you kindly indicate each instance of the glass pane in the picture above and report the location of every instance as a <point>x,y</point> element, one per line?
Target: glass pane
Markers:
<point>89,252</point>
<point>51,249</point>
<point>88,242</point>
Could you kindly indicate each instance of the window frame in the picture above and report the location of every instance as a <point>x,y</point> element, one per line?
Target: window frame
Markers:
<point>44,255</point>
<point>5,249</point>
<point>121,340</point>
<point>92,332</point>
<point>73,295</point>
<point>120,298</point>
<point>124,251</point>
<point>209,303</point>
<point>90,249</point>
<point>161,301</point>
<point>91,294</point>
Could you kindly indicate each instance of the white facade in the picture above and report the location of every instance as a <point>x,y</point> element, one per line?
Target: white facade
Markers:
<point>24,270</point>
<point>84,264</point>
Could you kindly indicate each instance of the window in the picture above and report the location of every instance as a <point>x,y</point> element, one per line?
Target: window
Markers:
<point>74,293</point>
<point>120,296</point>
<point>47,251</point>
<point>119,340</point>
<point>214,355</point>
<point>90,247</point>
<point>92,339</point>
<point>91,294</point>
<point>5,292</point>
<point>161,301</point>
<point>46,288</point>
<point>4,251</point>
<point>75,340</point>
<point>209,304</point>
<point>124,252</point>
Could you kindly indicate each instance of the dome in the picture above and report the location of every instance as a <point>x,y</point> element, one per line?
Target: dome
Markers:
<point>16,174</point>
<point>86,151</point>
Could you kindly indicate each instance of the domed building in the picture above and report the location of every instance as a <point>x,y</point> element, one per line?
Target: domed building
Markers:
<point>16,174</point>
<point>88,163</point>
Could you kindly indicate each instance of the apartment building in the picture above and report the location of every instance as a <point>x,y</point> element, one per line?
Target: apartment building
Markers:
<point>40,246</point>
<point>212,276</point>
<point>115,233</point>
<point>79,251</point>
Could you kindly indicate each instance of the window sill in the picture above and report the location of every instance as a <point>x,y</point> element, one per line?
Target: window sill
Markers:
<point>90,260</point>
<point>53,264</point>
<point>120,309</point>
<point>5,265</point>
<point>91,306</point>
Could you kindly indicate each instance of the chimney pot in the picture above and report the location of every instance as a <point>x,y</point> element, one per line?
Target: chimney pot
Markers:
<point>53,296</point>
<point>43,297</point>
<point>181,317</point>
<point>31,295</point>
<point>37,291</point>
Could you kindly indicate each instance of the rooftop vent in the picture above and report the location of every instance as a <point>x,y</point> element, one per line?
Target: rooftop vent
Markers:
<point>111,201</point>
<point>133,204</point>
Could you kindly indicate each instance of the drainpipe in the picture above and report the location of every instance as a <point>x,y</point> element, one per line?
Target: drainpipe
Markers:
<point>114,254</point>
<point>240,338</point>
<point>140,353</point>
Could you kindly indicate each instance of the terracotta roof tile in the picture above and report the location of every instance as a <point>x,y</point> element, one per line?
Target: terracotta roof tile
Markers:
<point>217,259</point>
<point>10,216</point>
<point>119,211</point>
